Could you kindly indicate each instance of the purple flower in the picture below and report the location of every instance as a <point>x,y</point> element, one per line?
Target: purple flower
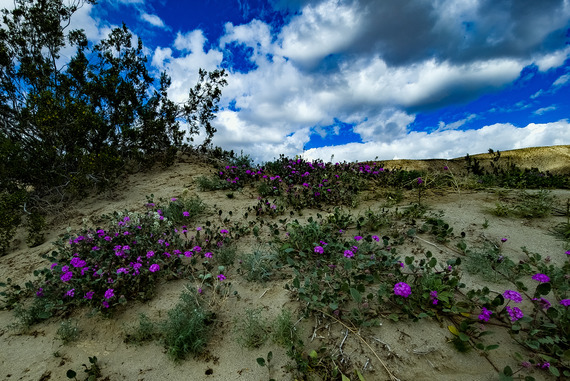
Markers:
<point>376,238</point>
<point>544,365</point>
<point>513,295</point>
<point>503,240</point>
<point>348,254</point>
<point>224,231</point>
<point>208,255</point>
<point>89,295</point>
<point>53,265</point>
<point>40,293</point>
<point>154,268</point>
<point>105,304</point>
<point>197,249</point>
<point>357,238</point>
<point>77,262</point>
<point>420,180</point>
<point>568,252</point>
<point>186,214</point>
<point>543,303</point>
<point>221,277</point>
<point>66,277</point>
<point>401,264</point>
<point>70,293</point>
<point>149,253</point>
<point>122,270</point>
<point>188,254</point>
<point>402,289</point>
<point>433,297</point>
<point>542,278</point>
<point>485,314</point>
<point>319,249</point>
<point>445,167</point>
<point>109,294</point>
<point>515,313</point>
<point>565,302</point>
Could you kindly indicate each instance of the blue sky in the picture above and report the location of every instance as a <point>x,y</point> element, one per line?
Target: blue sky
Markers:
<point>365,78</point>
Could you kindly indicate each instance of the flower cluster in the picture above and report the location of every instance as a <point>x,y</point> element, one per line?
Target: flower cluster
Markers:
<point>515,313</point>
<point>402,289</point>
<point>485,314</point>
<point>513,295</point>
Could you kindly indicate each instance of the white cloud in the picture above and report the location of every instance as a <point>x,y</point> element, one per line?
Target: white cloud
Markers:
<point>552,60</point>
<point>561,81</point>
<point>152,19</point>
<point>455,125</point>
<point>321,29</point>
<point>543,110</point>
<point>449,144</point>
<point>184,64</point>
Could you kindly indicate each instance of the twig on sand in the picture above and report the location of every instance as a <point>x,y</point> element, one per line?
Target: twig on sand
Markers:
<point>342,342</point>
<point>392,377</point>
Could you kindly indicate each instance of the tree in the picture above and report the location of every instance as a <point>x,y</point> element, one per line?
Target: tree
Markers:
<point>77,123</point>
<point>69,126</point>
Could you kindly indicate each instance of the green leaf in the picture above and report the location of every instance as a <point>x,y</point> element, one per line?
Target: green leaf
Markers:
<point>356,295</point>
<point>269,356</point>
<point>393,317</point>
<point>554,371</point>
<point>491,347</point>
<point>313,354</point>
<point>260,361</point>
<point>463,337</point>
<point>543,289</point>
<point>71,374</point>
<point>508,371</point>
<point>360,376</point>
<point>344,378</point>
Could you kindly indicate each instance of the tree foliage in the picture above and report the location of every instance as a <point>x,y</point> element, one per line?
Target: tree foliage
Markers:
<point>70,125</point>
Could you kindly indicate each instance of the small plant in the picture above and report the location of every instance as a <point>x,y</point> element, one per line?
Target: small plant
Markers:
<point>226,255</point>
<point>251,329</point>
<point>263,362</point>
<point>145,331</point>
<point>284,332</point>
<point>259,265</point>
<point>187,329</point>
<point>206,183</point>
<point>93,371</point>
<point>68,331</point>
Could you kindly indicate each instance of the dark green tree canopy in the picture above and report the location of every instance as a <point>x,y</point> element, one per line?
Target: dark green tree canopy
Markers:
<point>67,126</point>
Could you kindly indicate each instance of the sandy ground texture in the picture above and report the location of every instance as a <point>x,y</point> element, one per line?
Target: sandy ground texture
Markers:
<point>408,350</point>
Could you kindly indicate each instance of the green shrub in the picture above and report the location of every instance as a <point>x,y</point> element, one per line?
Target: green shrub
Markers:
<point>145,331</point>
<point>186,331</point>
<point>251,329</point>
<point>10,210</point>
<point>36,224</point>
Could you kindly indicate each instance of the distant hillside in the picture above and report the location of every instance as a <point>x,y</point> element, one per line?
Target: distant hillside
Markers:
<point>555,159</point>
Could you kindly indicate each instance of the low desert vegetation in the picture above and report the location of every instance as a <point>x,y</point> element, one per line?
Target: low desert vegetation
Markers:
<point>353,269</point>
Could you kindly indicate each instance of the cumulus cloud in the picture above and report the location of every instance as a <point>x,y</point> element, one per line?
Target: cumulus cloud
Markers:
<point>184,63</point>
<point>449,144</point>
<point>153,20</point>
<point>373,65</point>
